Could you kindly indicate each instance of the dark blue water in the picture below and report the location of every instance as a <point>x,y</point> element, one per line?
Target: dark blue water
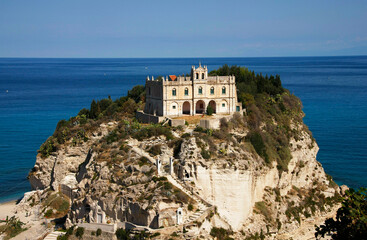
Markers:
<point>36,93</point>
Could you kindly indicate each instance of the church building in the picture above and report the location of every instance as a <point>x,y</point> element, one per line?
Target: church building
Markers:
<point>190,95</point>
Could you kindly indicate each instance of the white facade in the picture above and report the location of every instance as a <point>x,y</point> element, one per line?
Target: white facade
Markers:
<point>190,95</point>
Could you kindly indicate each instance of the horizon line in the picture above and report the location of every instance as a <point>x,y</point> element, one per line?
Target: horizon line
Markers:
<point>362,55</point>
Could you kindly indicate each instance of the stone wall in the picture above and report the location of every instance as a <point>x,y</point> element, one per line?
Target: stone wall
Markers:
<point>176,122</point>
<point>94,226</point>
<point>148,118</point>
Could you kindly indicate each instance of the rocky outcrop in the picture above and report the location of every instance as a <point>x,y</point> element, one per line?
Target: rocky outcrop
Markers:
<point>118,181</point>
<point>234,187</point>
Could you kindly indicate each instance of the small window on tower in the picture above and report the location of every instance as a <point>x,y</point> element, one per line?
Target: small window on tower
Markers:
<point>197,75</point>
<point>174,92</point>
<point>200,90</point>
<point>174,107</point>
<point>212,90</point>
<point>223,105</point>
<point>202,76</point>
<point>223,90</point>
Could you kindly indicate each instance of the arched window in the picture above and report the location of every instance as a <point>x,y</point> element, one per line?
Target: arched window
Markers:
<point>174,92</point>
<point>186,92</point>
<point>197,75</point>
<point>200,90</point>
<point>202,76</point>
<point>223,90</point>
<point>212,91</point>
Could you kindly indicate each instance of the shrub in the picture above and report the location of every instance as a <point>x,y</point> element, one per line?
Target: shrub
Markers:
<point>70,230</point>
<point>48,213</point>
<point>351,218</point>
<point>143,161</point>
<point>153,130</point>
<point>209,110</point>
<point>220,233</point>
<point>190,207</point>
<point>257,141</point>
<point>185,135</point>
<point>155,150</point>
<point>47,147</point>
<point>223,124</point>
<point>122,234</point>
<point>199,129</point>
<point>13,226</point>
<point>79,232</point>
<point>205,154</point>
<point>99,232</point>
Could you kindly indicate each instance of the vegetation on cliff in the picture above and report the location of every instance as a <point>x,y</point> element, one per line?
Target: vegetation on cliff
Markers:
<point>351,218</point>
<point>13,226</point>
<point>274,116</point>
<point>75,130</point>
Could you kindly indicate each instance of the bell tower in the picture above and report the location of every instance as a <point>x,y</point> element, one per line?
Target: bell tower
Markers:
<point>200,73</point>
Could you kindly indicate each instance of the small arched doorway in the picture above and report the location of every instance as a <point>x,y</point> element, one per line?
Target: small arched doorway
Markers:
<point>186,108</point>
<point>200,107</point>
<point>213,105</point>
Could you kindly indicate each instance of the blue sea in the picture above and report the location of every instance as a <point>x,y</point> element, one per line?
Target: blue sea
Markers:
<point>36,93</point>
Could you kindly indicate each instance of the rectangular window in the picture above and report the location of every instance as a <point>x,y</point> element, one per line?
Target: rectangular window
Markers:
<point>186,92</point>
<point>223,104</point>
<point>200,90</point>
<point>223,90</point>
<point>237,108</point>
<point>174,92</point>
<point>212,91</point>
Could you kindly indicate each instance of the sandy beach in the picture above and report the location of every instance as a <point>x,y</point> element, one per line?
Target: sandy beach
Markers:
<point>35,227</point>
<point>7,209</point>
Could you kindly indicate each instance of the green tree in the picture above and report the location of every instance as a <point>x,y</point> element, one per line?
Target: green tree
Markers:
<point>85,112</point>
<point>129,107</point>
<point>137,93</point>
<point>209,110</point>
<point>351,218</point>
<point>94,110</point>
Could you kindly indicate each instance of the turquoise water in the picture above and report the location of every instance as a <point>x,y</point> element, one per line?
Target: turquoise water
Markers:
<point>36,93</point>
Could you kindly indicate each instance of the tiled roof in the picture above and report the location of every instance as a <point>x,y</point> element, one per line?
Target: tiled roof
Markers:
<point>172,77</point>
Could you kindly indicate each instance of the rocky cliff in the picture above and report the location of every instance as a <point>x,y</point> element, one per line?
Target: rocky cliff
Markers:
<point>214,178</point>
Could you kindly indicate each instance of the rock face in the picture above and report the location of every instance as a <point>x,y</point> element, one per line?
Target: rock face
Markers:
<point>234,190</point>
<point>117,181</point>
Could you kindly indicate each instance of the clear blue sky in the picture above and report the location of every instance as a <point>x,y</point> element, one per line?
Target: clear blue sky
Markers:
<point>78,28</point>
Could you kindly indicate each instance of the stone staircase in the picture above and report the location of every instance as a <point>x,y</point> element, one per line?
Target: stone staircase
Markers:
<point>53,235</point>
<point>201,204</point>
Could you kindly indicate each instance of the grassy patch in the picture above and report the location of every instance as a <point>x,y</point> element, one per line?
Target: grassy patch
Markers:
<point>264,210</point>
<point>57,205</point>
